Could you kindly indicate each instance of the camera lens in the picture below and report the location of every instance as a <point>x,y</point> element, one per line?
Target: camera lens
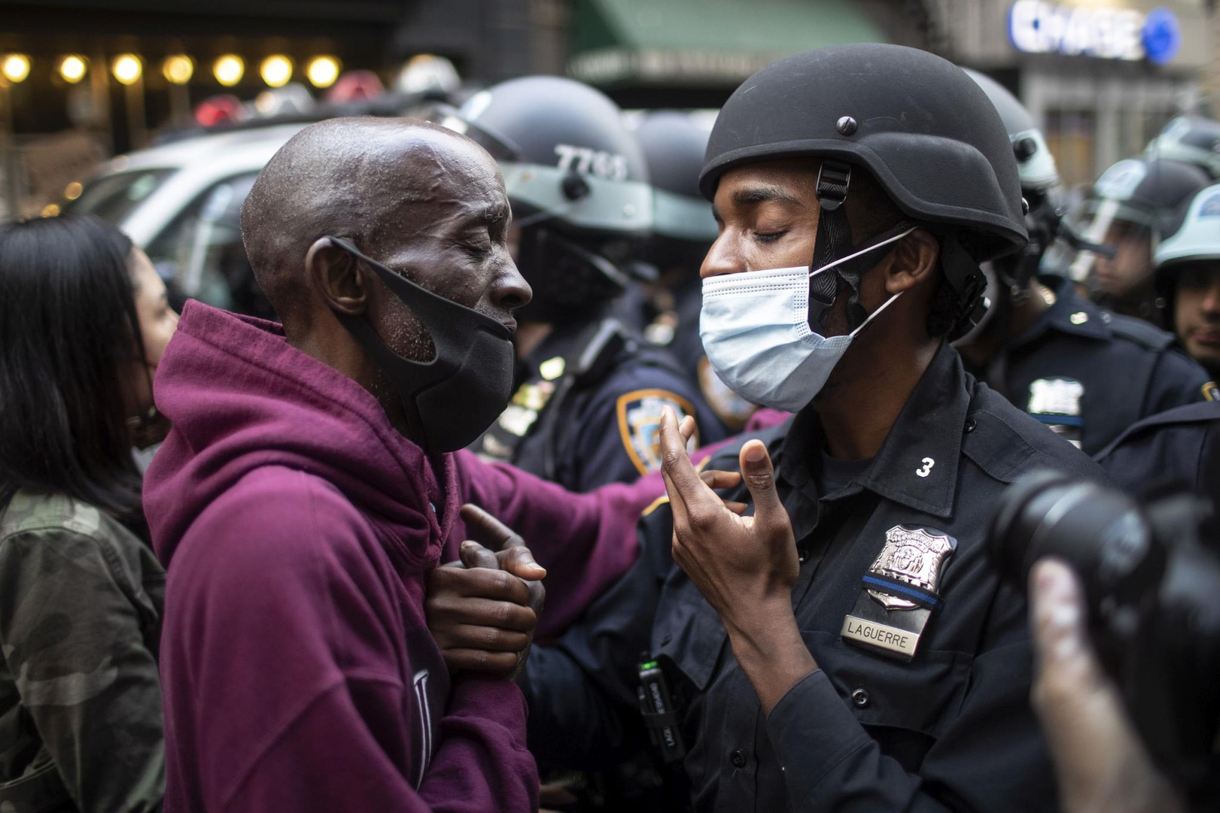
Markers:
<point>1100,532</point>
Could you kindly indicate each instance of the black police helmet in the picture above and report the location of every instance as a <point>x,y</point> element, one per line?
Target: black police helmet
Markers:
<point>916,122</point>
<point>673,146</point>
<point>577,181</point>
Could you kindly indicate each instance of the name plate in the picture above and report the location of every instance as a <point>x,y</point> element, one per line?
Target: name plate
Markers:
<point>883,636</point>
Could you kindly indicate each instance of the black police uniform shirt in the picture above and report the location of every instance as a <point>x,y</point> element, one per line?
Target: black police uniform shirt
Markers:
<point>1177,447</point>
<point>950,729</point>
<point>587,408</point>
<point>1089,374</point>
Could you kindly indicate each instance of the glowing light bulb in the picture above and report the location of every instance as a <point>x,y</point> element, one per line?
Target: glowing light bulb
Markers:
<point>229,70</point>
<point>72,68</point>
<point>276,70</point>
<point>178,68</point>
<point>322,71</point>
<point>15,67</point>
<point>127,69</point>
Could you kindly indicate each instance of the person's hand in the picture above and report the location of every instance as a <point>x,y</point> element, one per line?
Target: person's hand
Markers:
<point>745,567</point>
<point>1100,761</point>
<point>482,610</point>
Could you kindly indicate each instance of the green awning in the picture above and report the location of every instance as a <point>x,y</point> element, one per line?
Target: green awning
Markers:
<point>703,41</point>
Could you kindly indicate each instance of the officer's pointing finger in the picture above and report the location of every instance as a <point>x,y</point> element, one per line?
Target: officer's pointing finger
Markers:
<point>760,480</point>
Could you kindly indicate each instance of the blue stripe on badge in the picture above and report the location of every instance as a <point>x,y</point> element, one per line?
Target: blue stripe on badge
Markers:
<point>923,597</point>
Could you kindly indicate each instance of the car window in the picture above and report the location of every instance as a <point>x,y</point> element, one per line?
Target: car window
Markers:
<point>113,197</point>
<point>200,252</point>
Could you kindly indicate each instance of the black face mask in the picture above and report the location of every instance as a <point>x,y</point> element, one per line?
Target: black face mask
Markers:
<point>451,399</point>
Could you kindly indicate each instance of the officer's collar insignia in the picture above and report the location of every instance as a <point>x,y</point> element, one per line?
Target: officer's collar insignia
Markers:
<point>900,592</point>
<point>1056,403</point>
<point>1210,390</point>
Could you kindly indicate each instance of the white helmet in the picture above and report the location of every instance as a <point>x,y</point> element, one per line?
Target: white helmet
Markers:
<point>1196,235</point>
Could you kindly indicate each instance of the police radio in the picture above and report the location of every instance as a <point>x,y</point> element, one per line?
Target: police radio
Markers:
<point>659,710</point>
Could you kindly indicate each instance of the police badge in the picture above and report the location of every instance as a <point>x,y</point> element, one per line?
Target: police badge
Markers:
<point>899,592</point>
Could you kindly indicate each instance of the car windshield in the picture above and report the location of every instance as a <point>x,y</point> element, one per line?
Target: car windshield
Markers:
<point>113,197</point>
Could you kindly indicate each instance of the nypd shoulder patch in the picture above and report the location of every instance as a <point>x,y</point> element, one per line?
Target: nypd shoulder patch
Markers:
<point>639,424</point>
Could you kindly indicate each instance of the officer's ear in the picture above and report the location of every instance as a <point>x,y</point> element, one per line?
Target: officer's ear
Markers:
<point>337,277</point>
<point>912,262</point>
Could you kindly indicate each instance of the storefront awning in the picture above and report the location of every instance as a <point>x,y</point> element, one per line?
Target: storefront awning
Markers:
<point>703,42</point>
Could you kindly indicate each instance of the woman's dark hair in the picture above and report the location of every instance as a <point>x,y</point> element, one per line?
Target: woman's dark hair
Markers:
<point>68,324</point>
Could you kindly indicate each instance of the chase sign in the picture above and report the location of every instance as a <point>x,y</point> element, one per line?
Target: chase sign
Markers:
<point>1038,27</point>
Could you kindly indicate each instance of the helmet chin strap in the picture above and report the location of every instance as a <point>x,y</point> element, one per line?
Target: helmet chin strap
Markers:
<point>833,242</point>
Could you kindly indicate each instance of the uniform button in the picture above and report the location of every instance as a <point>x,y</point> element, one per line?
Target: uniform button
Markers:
<point>738,759</point>
<point>971,425</point>
<point>860,698</point>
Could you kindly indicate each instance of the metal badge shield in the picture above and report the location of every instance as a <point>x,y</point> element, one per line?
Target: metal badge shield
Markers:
<point>901,591</point>
<point>911,556</point>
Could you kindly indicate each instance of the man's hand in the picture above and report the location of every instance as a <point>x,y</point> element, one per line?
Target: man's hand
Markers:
<point>745,567</point>
<point>1099,758</point>
<point>482,610</point>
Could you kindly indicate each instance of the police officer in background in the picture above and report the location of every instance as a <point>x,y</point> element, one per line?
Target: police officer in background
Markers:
<point>844,645</point>
<point>683,229</point>
<point>1188,278</point>
<point>1130,201</point>
<point>1176,447</point>
<point>1084,372</point>
<point>590,390</point>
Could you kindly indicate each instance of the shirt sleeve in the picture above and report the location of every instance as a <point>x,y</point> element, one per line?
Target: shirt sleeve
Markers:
<point>75,645</point>
<point>581,691</point>
<point>585,541</point>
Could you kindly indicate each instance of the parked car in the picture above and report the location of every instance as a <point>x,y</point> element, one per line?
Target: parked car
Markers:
<point>181,202</point>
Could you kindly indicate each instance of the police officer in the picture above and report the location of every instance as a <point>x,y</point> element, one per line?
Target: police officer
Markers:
<point>1130,201</point>
<point>683,229</point>
<point>590,390</point>
<point>1084,372</point>
<point>845,645</point>
<point>1188,278</point>
<point>1178,447</point>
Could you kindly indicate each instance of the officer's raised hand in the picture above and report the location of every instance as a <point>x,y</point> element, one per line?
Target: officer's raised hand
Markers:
<point>744,566</point>
<point>482,610</point>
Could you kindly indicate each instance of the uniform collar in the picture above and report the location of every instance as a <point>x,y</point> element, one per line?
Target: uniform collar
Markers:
<point>929,428</point>
<point>1069,314</point>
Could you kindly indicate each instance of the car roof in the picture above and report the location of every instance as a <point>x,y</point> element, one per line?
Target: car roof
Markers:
<point>254,147</point>
<point>195,165</point>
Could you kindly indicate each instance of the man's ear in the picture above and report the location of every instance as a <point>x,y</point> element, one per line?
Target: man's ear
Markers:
<point>337,276</point>
<point>912,262</point>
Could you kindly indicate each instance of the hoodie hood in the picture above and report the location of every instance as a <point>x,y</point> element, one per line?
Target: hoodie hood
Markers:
<point>240,397</point>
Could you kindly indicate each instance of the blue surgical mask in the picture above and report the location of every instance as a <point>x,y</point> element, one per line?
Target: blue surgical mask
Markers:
<point>756,332</point>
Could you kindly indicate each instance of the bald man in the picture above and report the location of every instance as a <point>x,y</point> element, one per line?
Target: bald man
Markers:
<point>310,486</point>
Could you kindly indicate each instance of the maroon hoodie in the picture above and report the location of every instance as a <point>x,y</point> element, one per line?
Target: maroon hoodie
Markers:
<point>298,528</point>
